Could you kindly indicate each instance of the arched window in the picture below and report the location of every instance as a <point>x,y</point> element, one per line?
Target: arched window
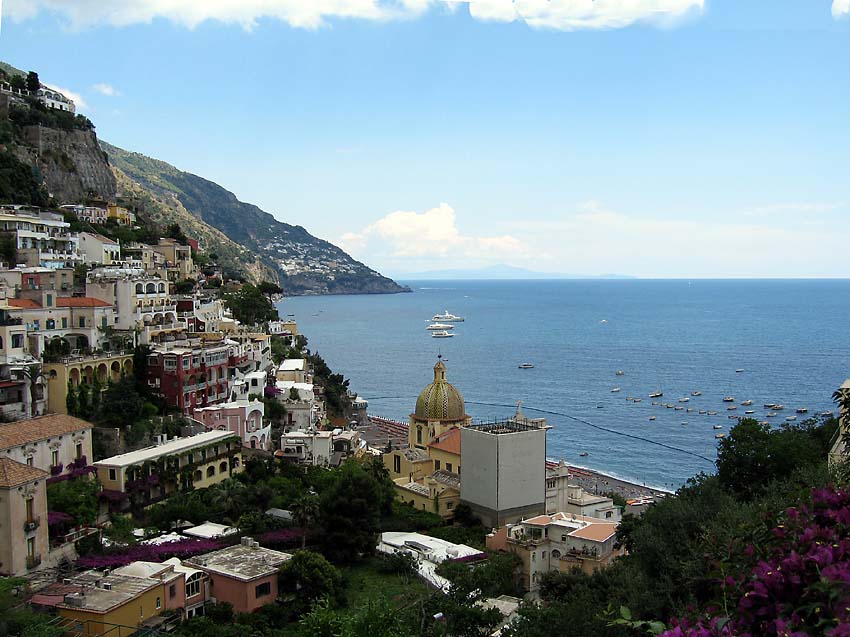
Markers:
<point>150,288</point>
<point>140,289</point>
<point>210,472</point>
<point>556,554</point>
<point>198,476</point>
<point>419,435</point>
<point>222,468</point>
<point>162,287</point>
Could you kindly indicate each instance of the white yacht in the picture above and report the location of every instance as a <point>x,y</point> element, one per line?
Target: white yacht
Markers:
<point>656,394</point>
<point>729,399</point>
<point>696,393</point>
<point>615,390</point>
<point>747,403</point>
<point>442,334</point>
<point>439,326</point>
<point>447,317</point>
<point>526,366</point>
<point>685,399</point>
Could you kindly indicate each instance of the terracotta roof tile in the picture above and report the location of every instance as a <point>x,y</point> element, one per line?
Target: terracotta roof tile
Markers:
<point>81,301</point>
<point>27,304</point>
<point>21,432</point>
<point>13,473</point>
<point>448,441</point>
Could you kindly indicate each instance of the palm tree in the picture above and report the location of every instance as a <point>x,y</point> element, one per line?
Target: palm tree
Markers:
<point>305,509</point>
<point>33,373</point>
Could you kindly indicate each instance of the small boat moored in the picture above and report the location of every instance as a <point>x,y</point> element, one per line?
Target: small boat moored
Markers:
<point>728,399</point>
<point>615,390</point>
<point>526,366</point>
<point>442,334</point>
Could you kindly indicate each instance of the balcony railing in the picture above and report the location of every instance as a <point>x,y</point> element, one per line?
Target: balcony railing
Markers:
<point>31,525</point>
<point>33,560</point>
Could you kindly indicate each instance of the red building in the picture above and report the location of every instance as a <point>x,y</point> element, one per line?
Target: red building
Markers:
<point>189,377</point>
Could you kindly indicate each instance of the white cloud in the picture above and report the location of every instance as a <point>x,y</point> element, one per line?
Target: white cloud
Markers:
<point>311,14</point>
<point>593,240</point>
<point>571,15</point>
<point>308,14</point>
<point>795,208</point>
<point>840,8</point>
<point>106,89</point>
<point>428,239</point>
<point>79,102</point>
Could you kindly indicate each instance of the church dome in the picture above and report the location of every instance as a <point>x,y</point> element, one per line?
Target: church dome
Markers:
<point>440,400</point>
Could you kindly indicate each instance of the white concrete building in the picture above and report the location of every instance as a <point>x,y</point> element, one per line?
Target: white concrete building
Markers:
<point>429,552</point>
<point>242,417</point>
<point>52,98</point>
<point>41,238</point>
<point>95,248</point>
<point>140,300</point>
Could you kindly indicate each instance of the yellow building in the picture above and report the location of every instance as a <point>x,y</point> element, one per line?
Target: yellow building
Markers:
<point>427,472</point>
<point>103,367</point>
<point>23,517</point>
<point>123,216</point>
<point>112,604</point>
<point>184,463</point>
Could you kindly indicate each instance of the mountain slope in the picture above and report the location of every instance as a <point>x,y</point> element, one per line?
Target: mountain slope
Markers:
<point>304,263</point>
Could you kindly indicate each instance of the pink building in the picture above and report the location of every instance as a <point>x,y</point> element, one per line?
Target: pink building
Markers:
<point>242,417</point>
<point>244,575</point>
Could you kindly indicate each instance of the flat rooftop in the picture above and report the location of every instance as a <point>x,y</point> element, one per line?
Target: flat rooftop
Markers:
<point>509,426</point>
<point>169,448</point>
<point>241,562</point>
<point>100,593</point>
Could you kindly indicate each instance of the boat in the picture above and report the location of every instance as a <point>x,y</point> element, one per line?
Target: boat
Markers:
<point>712,413</point>
<point>656,394</point>
<point>615,390</point>
<point>696,393</point>
<point>440,326</point>
<point>702,412</point>
<point>629,398</point>
<point>583,454</point>
<point>684,422</point>
<point>729,399</point>
<point>739,371</point>
<point>443,334</point>
<point>652,417</point>
<point>747,403</point>
<point>778,407</point>
<point>448,317</point>
<point>733,416</point>
<point>678,409</point>
<point>620,372</point>
<point>750,411</point>
<point>526,366</point>
<point>718,436</point>
<point>656,403</point>
<point>770,415</point>
<point>669,406</point>
<point>826,414</point>
<point>718,426</point>
<point>768,405</point>
<point>802,410</point>
<point>684,400</point>
<point>790,418</point>
<point>637,400</point>
<point>689,409</point>
<point>731,408</point>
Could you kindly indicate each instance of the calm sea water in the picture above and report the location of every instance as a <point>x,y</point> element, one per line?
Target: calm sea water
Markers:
<point>789,337</point>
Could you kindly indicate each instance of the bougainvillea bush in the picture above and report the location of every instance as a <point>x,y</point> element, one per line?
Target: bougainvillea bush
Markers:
<point>796,583</point>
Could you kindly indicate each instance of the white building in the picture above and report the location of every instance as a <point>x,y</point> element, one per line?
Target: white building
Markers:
<point>51,443</point>
<point>90,214</point>
<point>429,552</point>
<point>242,417</point>
<point>563,495</point>
<point>95,248</point>
<point>315,447</point>
<point>504,469</point>
<point>140,300</point>
<point>52,98</point>
<point>294,370</point>
<point>41,238</point>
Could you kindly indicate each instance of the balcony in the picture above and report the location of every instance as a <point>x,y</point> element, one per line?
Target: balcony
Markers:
<point>33,560</point>
<point>31,525</point>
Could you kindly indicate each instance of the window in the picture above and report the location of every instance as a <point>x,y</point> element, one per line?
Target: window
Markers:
<point>450,505</point>
<point>186,362</point>
<point>64,322</point>
<point>104,321</point>
<point>54,457</point>
<point>30,510</point>
<point>35,324</point>
<point>419,435</point>
<point>608,514</point>
<point>29,460</point>
<point>263,589</point>
<point>17,340</point>
<point>82,321</point>
<point>198,476</point>
<point>397,464</point>
<point>563,538</point>
<point>78,451</point>
<point>222,468</point>
<point>543,555</point>
<point>158,603</point>
<point>49,300</point>
<point>210,472</point>
<point>113,474</point>
<point>437,465</point>
<point>51,324</point>
<point>193,586</point>
<point>172,591</point>
<point>449,467</point>
<point>153,361</point>
<point>31,547</point>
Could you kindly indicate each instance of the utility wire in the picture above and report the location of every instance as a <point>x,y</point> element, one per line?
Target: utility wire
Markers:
<point>576,419</point>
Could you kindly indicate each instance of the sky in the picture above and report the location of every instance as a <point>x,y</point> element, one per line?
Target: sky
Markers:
<point>652,138</point>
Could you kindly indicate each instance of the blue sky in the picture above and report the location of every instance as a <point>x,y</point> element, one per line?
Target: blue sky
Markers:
<point>659,138</point>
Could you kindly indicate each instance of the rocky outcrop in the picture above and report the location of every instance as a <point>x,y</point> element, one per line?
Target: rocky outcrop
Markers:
<point>70,161</point>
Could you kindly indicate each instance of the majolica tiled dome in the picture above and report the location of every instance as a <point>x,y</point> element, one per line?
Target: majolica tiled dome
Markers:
<point>440,400</point>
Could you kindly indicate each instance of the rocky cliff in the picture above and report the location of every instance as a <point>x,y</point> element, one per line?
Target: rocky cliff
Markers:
<point>70,161</point>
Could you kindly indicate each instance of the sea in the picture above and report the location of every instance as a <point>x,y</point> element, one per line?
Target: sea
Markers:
<point>769,341</point>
